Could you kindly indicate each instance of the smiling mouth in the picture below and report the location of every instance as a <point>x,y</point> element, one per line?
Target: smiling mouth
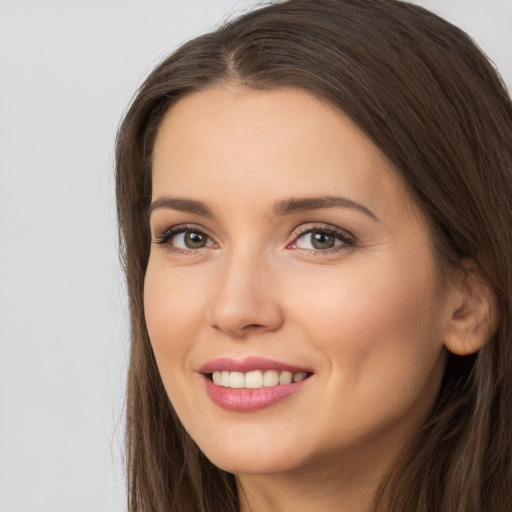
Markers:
<point>256,379</point>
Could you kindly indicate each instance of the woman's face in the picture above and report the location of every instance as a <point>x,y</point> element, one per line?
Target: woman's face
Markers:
<point>286,248</point>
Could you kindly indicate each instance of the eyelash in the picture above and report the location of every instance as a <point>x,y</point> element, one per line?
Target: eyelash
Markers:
<point>164,238</point>
<point>347,239</point>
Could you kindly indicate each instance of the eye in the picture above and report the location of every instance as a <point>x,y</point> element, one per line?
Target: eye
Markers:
<point>322,239</point>
<point>191,240</point>
<point>184,238</point>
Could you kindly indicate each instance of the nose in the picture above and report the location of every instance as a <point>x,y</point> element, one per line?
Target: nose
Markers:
<point>244,301</point>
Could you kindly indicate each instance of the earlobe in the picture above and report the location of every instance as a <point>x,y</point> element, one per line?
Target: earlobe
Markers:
<point>474,319</point>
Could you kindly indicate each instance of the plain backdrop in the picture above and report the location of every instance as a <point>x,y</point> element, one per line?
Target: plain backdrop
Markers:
<point>67,72</point>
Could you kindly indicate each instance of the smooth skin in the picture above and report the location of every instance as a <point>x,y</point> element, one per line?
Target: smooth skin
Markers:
<point>347,288</point>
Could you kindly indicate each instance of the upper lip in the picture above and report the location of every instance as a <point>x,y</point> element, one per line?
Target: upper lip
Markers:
<point>249,364</point>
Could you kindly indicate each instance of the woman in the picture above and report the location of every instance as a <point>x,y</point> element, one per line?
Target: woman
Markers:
<point>314,205</point>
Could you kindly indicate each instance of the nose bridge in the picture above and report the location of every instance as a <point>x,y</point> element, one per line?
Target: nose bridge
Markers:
<point>244,301</point>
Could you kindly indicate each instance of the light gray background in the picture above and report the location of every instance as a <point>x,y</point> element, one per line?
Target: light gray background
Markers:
<point>67,71</point>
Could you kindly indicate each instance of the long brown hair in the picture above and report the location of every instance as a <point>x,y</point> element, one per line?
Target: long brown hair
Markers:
<point>428,98</point>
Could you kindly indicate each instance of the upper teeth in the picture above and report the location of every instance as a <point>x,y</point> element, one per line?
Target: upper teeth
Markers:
<point>256,379</point>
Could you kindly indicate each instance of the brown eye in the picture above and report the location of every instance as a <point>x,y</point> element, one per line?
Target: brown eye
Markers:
<point>322,240</point>
<point>194,240</point>
<point>185,239</point>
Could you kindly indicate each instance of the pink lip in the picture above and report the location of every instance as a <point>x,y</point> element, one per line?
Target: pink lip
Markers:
<point>249,364</point>
<point>247,400</point>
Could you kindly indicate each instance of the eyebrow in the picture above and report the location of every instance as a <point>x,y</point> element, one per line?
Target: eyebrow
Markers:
<point>294,205</point>
<point>182,205</point>
<point>281,208</point>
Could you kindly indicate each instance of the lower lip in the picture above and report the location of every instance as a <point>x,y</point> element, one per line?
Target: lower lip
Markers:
<point>248,400</point>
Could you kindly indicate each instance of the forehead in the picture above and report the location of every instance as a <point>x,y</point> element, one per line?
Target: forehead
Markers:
<point>282,142</point>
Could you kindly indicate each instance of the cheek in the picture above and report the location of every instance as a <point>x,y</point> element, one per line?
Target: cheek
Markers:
<point>372,321</point>
<point>171,307</point>
<point>382,356</point>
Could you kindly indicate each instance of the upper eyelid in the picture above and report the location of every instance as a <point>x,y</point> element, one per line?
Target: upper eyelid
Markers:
<point>301,229</point>
<point>180,228</point>
<point>164,235</point>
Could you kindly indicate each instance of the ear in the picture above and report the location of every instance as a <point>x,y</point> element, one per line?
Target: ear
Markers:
<point>474,315</point>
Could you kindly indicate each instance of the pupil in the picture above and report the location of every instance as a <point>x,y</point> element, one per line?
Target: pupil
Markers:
<point>194,240</point>
<point>322,240</point>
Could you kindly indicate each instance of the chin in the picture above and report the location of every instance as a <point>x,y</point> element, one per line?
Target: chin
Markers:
<point>249,465</point>
<point>247,458</point>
